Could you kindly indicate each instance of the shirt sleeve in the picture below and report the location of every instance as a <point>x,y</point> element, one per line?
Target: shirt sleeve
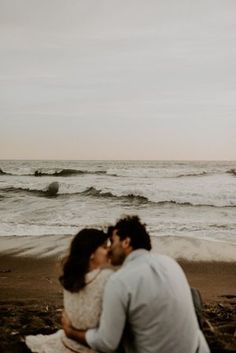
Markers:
<point>107,336</point>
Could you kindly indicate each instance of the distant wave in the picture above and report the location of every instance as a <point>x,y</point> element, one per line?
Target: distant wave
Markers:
<point>69,172</point>
<point>231,171</point>
<point>223,226</point>
<point>61,173</point>
<point>128,198</point>
<point>192,175</point>
<point>189,204</point>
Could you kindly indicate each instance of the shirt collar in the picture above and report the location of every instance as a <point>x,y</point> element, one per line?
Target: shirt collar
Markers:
<point>135,254</point>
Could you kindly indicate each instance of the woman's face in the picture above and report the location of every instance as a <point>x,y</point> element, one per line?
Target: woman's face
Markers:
<point>99,257</point>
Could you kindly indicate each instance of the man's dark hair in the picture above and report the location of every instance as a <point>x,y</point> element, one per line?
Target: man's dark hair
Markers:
<point>110,231</point>
<point>130,226</point>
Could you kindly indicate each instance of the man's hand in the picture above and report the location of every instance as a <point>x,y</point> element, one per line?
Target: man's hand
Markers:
<point>71,332</point>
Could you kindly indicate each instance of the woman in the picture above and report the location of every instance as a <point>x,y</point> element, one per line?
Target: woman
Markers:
<point>85,273</point>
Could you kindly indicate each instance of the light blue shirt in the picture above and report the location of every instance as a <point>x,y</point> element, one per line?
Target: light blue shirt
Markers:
<point>149,300</point>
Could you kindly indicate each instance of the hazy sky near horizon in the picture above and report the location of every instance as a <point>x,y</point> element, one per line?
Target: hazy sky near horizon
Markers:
<point>118,79</point>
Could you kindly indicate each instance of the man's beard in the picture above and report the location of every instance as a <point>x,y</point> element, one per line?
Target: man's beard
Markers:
<point>117,258</point>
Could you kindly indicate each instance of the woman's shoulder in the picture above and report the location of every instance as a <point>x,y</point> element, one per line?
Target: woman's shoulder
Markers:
<point>98,275</point>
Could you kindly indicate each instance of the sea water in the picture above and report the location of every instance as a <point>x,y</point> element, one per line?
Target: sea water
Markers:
<point>174,198</point>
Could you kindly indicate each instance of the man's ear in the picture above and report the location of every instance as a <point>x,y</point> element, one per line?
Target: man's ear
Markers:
<point>126,243</point>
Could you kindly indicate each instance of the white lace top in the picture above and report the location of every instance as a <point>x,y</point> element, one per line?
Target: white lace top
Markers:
<point>83,308</point>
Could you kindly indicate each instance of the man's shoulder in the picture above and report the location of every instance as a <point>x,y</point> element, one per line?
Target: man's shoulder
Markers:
<point>168,260</point>
<point>130,269</point>
<point>163,258</point>
<point>165,261</point>
<point>119,276</point>
<point>135,268</point>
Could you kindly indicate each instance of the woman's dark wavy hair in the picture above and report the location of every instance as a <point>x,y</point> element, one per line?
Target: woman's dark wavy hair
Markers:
<point>131,226</point>
<point>76,264</point>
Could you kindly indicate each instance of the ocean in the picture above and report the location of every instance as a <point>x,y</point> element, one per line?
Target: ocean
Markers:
<point>174,198</point>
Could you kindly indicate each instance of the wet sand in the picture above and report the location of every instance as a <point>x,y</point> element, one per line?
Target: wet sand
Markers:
<point>31,299</point>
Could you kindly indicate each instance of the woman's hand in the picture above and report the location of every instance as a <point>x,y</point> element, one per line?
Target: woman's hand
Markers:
<point>66,324</point>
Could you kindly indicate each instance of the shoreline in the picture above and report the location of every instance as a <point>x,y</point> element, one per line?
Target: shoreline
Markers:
<point>35,277</point>
<point>185,248</point>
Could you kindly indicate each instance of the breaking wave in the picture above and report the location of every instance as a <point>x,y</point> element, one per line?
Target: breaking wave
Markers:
<point>91,191</point>
<point>231,171</point>
<point>40,193</point>
<point>3,173</point>
<point>127,198</point>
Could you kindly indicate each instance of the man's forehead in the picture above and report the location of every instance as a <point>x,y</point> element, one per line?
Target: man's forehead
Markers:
<point>115,236</point>
<point>115,233</point>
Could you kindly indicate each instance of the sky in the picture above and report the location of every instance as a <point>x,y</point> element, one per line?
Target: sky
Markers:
<point>118,79</point>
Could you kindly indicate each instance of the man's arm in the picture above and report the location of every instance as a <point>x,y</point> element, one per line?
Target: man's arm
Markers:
<point>71,332</point>
<point>107,336</point>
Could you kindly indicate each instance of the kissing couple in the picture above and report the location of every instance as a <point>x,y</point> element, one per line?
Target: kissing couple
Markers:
<point>119,296</point>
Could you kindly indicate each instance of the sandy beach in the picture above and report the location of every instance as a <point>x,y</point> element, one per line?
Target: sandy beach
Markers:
<point>31,296</point>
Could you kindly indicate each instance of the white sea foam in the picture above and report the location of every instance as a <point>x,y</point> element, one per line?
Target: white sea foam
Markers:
<point>194,249</point>
<point>177,247</point>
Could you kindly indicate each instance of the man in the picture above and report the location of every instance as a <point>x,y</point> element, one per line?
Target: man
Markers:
<point>147,303</point>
